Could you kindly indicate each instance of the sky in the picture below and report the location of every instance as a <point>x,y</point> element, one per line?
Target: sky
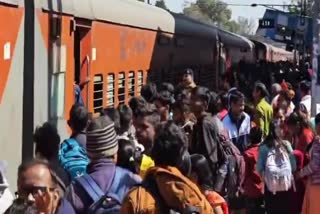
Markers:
<point>248,12</point>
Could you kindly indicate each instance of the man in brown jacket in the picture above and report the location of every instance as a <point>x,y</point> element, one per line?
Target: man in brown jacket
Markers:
<point>165,188</point>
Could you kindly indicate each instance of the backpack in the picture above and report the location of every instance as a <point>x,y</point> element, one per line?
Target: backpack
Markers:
<point>103,203</point>
<point>231,169</point>
<point>73,158</point>
<point>151,186</point>
<point>278,172</point>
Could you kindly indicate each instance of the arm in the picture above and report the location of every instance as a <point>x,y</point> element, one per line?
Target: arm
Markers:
<point>262,157</point>
<point>84,83</point>
<point>314,162</point>
<point>210,143</point>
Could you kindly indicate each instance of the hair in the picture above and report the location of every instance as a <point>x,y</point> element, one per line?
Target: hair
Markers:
<point>169,145</point>
<point>149,92</point>
<point>212,106</point>
<point>236,96</point>
<point>255,135</point>
<point>128,157</point>
<point>259,86</point>
<point>317,119</point>
<point>150,112</point>
<point>166,87</point>
<point>305,86</point>
<point>202,92</point>
<point>125,114</point>
<point>114,115</point>
<point>271,139</point>
<point>166,94</point>
<point>200,167</point>
<point>286,95</point>
<point>183,94</point>
<point>224,99</point>
<point>136,103</point>
<point>35,162</point>
<point>182,105</point>
<point>47,141</point>
<point>296,118</point>
<point>79,118</point>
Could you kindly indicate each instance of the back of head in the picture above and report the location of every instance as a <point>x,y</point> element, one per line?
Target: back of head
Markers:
<point>47,141</point>
<point>125,114</point>
<point>255,135</point>
<point>259,86</point>
<point>128,157</point>
<point>305,86</point>
<point>102,141</point>
<point>212,106</point>
<point>78,118</point>
<point>169,145</point>
<point>276,88</point>
<point>202,92</point>
<point>149,92</point>
<point>200,167</point>
<point>137,103</point>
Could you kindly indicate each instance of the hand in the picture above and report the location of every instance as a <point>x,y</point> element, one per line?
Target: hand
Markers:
<point>87,79</point>
<point>44,202</point>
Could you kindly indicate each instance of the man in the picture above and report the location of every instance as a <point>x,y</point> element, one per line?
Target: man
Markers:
<point>165,188</point>
<point>102,148</point>
<point>47,143</point>
<point>264,111</point>
<point>78,122</point>
<point>305,87</point>
<point>77,91</point>
<point>237,122</point>
<point>187,81</point>
<point>207,129</point>
<point>38,190</point>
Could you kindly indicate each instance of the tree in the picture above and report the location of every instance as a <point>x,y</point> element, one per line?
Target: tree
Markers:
<point>305,5</point>
<point>212,12</point>
<point>246,26</point>
<point>161,4</point>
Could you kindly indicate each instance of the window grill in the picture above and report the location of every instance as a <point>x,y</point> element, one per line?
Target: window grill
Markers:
<point>140,80</point>
<point>98,93</point>
<point>121,87</point>
<point>132,84</point>
<point>110,90</point>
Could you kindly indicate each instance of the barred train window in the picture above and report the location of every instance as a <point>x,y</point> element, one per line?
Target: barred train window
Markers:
<point>98,93</point>
<point>110,90</point>
<point>131,84</point>
<point>140,80</point>
<point>121,87</point>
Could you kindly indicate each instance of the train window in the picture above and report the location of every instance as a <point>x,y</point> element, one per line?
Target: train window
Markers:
<point>121,87</point>
<point>98,93</point>
<point>132,84</point>
<point>110,90</point>
<point>140,80</point>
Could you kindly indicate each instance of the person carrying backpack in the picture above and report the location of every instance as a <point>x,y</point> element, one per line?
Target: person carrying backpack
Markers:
<point>165,189</point>
<point>276,162</point>
<point>102,190</point>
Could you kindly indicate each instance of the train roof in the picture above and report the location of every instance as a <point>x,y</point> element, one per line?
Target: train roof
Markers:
<point>234,40</point>
<point>13,2</point>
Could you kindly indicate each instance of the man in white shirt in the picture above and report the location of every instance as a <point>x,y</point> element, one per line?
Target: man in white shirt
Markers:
<point>305,87</point>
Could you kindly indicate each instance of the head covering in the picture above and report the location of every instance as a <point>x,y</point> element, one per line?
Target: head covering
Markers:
<point>102,140</point>
<point>276,88</point>
<point>284,86</point>
<point>188,71</point>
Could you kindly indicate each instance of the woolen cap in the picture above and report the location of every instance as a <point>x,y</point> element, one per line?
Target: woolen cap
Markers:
<point>102,140</point>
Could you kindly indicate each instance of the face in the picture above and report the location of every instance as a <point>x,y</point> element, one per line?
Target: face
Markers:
<point>162,109</point>
<point>255,94</point>
<point>282,103</point>
<point>35,185</point>
<point>237,108</point>
<point>187,79</point>
<point>197,105</point>
<point>145,132</point>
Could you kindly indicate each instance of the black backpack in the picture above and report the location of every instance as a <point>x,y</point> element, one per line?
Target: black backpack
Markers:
<point>231,169</point>
<point>151,186</point>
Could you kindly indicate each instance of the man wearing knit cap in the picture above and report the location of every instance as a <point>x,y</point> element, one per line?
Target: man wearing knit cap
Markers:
<point>102,147</point>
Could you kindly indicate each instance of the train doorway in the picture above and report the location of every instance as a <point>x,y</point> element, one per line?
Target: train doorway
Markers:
<point>82,57</point>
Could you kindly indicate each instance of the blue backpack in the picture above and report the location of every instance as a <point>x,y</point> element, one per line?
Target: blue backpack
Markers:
<point>104,203</point>
<point>73,158</point>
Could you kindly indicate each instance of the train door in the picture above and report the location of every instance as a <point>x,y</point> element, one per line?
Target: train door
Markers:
<point>82,57</point>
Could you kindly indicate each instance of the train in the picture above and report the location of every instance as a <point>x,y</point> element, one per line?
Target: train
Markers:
<point>47,46</point>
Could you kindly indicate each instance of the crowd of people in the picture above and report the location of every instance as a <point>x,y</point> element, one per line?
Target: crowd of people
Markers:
<point>182,149</point>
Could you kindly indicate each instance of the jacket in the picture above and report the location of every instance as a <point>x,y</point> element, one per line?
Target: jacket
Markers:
<point>265,114</point>
<point>176,190</point>
<point>253,185</point>
<point>263,155</point>
<point>238,133</point>
<point>102,172</point>
<point>313,168</point>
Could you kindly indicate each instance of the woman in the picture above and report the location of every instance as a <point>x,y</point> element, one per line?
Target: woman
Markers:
<point>300,131</point>
<point>276,163</point>
<point>201,175</point>
<point>312,173</point>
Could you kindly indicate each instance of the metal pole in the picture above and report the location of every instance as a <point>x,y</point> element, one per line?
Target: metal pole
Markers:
<point>316,59</point>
